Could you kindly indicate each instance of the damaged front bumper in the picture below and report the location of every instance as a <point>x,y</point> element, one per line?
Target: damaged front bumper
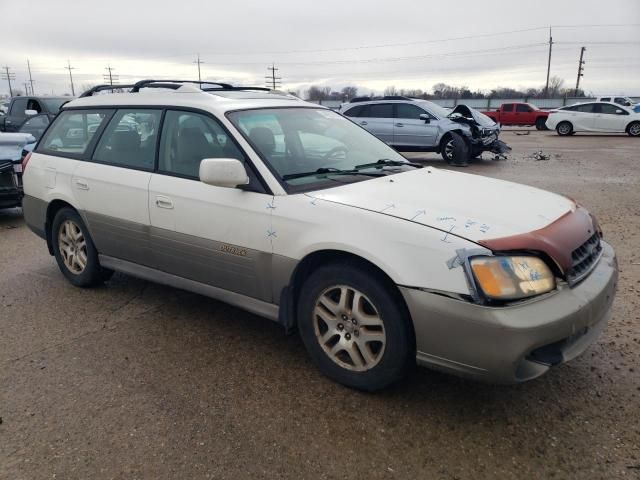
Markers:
<point>514,343</point>
<point>10,184</point>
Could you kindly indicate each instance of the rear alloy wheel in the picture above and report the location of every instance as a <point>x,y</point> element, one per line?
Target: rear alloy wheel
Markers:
<point>74,250</point>
<point>354,326</point>
<point>634,129</point>
<point>564,129</point>
<point>455,150</point>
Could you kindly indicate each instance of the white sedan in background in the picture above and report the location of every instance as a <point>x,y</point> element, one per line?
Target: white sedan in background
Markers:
<point>605,117</point>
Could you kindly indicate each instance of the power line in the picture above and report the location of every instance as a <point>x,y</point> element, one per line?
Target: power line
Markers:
<point>31,80</point>
<point>272,79</point>
<point>199,62</point>
<point>109,77</point>
<point>8,76</point>
<point>580,69</point>
<point>69,67</point>
<point>546,88</point>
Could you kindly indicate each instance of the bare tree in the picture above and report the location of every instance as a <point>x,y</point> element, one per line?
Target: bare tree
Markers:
<point>391,90</point>
<point>349,92</point>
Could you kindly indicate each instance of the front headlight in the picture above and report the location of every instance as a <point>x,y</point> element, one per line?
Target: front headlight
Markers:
<point>512,278</point>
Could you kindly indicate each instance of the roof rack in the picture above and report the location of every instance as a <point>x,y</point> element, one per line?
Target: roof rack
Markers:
<point>99,88</point>
<point>175,84</point>
<point>386,97</point>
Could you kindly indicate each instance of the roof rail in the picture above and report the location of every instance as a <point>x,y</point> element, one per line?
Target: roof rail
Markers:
<point>99,88</point>
<point>171,84</point>
<point>174,84</point>
<point>386,97</point>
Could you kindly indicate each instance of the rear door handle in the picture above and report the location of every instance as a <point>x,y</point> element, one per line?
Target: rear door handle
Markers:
<point>364,123</point>
<point>399,124</point>
<point>82,184</point>
<point>164,202</point>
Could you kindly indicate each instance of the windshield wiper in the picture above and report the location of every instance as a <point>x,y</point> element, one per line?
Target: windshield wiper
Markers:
<point>386,162</point>
<point>332,171</point>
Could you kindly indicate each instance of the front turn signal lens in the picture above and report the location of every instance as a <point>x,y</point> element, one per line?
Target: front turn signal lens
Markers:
<point>512,278</point>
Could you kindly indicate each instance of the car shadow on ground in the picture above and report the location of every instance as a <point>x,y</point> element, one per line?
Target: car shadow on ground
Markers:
<point>10,217</point>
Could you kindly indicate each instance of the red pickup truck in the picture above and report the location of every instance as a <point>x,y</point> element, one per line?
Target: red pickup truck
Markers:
<point>519,114</point>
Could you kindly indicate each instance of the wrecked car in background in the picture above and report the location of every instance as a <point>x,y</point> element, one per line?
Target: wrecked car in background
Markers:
<point>419,125</point>
<point>12,148</point>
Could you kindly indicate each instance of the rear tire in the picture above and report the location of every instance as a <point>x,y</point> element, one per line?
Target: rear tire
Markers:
<point>564,129</point>
<point>633,130</point>
<point>74,250</point>
<point>541,123</point>
<point>455,150</point>
<point>355,326</point>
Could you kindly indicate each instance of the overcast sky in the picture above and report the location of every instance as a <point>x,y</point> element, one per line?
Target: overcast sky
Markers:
<point>408,44</point>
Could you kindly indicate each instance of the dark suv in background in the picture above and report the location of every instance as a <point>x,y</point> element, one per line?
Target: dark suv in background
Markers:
<point>19,106</point>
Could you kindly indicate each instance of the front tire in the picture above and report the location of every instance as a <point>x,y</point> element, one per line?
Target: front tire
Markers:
<point>455,150</point>
<point>564,129</point>
<point>355,326</point>
<point>633,130</point>
<point>74,250</point>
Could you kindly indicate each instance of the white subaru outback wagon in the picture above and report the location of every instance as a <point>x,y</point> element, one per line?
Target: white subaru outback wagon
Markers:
<point>294,212</point>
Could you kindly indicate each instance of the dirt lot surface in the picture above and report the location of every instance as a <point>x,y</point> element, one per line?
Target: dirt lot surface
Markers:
<point>137,380</point>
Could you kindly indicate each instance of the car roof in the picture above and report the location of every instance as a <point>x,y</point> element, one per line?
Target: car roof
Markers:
<point>191,97</point>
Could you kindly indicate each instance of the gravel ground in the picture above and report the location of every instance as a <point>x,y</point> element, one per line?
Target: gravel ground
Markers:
<point>137,380</point>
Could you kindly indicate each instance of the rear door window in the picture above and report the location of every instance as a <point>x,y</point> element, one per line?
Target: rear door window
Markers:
<point>130,139</point>
<point>381,110</point>
<point>586,108</point>
<point>72,132</point>
<point>522,108</point>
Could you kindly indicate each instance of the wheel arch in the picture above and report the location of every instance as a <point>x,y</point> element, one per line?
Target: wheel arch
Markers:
<point>53,208</point>
<point>315,259</point>
<point>446,135</point>
<point>626,129</point>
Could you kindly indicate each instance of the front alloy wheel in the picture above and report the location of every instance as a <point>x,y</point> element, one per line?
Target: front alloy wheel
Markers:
<point>73,247</point>
<point>349,328</point>
<point>355,325</point>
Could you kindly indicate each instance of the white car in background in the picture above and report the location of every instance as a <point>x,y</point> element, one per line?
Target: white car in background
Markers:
<point>620,100</point>
<point>604,117</point>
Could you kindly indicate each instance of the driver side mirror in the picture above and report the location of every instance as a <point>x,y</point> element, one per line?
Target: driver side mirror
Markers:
<point>425,117</point>
<point>619,112</point>
<point>223,172</point>
<point>30,113</point>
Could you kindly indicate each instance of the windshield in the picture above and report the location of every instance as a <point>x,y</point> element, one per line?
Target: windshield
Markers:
<point>434,108</point>
<point>54,104</point>
<point>299,141</point>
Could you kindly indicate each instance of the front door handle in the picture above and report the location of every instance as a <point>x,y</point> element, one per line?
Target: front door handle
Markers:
<point>399,124</point>
<point>164,202</point>
<point>364,123</point>
<point>81,184</point>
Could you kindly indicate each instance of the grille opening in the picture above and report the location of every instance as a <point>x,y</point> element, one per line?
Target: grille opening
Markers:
<point>584,259</point>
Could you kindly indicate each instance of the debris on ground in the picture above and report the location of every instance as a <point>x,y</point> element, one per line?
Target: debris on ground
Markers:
<point>539,155</point>
<point>524,132</point>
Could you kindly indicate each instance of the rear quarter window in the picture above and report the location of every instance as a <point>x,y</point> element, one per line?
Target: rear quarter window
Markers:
<point>72,131</point>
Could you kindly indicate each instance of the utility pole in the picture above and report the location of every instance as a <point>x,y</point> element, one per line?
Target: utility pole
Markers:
<point>69,67</point>
<point>30,78</point>
<point>580,69</point>
<point>271,80</point>
<point>108,77</point>
<point>546,88</point>
<point>199,62</point>
<point>26,88</point>
<point>8,76</point>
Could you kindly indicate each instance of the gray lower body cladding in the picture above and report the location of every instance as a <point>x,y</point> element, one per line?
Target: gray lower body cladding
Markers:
<point>514,343</point>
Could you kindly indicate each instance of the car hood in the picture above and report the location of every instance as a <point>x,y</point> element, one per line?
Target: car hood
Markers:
<point>468,206</point>
<point>11,145</point>
<point>470,113</point>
